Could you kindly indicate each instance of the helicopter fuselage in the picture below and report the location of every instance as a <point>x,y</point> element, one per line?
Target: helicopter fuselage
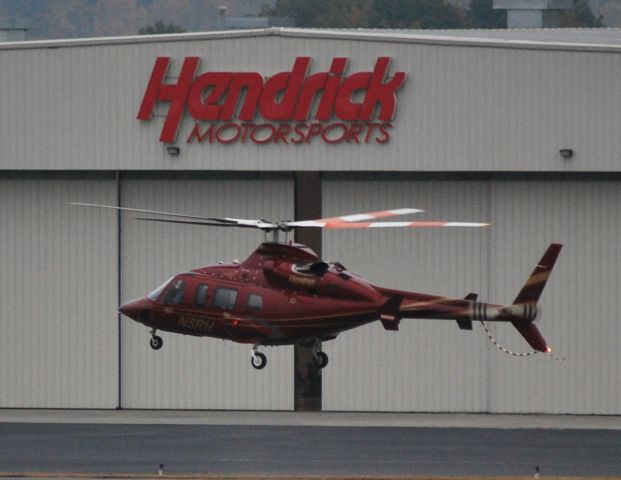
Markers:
<point>285,294</point>
<point>282,294</point>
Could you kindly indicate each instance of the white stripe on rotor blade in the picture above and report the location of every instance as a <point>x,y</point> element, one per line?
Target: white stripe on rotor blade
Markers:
<point>405,211</point>
<point>465,224</point>
<point>265,225</point>
<point>306,223</point>
<point>253,223</point>
<point>356,217</point>
<point>389,224</point>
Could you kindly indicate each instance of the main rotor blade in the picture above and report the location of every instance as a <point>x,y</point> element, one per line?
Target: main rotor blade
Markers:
<point>354,217</point>
<point>222,221</point>
<point>352,225</point>
<point>266,226</point>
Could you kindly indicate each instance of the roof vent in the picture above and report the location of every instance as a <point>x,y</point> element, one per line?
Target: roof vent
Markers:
<point>13,29</point>
<point>533,13</point>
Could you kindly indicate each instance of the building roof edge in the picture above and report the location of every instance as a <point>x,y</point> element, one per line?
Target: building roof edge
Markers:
<point>355,35</point>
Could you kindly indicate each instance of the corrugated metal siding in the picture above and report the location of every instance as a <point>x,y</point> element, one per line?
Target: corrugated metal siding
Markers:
<point>461,108</point>
<point>426,366</point>
<point>433,366</point>
<point>189,372</point>
<point>58,291</point>
<point>579,305</point>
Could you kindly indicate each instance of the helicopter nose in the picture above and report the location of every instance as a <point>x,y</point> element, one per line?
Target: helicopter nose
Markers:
<point>130,309</point>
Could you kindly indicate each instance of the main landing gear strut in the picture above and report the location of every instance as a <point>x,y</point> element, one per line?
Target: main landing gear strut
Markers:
<point>259,360</point>
<point>320,358</point>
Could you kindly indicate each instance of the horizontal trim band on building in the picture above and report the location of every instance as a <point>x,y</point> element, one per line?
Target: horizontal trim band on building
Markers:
<point>289,175</point>
<point>354,35</point>
<point>472,176</point>
<point>146,175</point>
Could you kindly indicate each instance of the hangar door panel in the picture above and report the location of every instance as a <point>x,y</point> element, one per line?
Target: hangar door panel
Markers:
<point>427,365</point>
<point>192,372</point>
<point>58,291</point>
<point>580,305</point>
<point>432,365</point>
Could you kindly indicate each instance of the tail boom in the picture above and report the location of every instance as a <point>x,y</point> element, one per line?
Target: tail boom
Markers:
<point>520,314</point>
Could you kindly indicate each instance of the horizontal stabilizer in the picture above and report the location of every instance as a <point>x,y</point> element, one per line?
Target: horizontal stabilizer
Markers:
<point>389,314</point>
<point>466,323</point>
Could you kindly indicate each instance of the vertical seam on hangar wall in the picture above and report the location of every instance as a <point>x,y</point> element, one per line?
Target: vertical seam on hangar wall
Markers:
<point>307,199</point>
<point>119,289</point>
<point>488,247</point>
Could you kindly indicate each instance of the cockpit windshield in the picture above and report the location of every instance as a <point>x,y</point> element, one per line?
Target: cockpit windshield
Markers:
<point>156,293</point>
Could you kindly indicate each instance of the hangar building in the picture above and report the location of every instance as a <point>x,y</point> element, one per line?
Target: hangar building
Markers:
<point>519,129</point>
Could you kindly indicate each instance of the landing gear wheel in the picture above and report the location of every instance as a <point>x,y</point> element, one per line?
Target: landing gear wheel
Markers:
<point>258,360</point>
<point>320,360</point>
<point>156,342</point>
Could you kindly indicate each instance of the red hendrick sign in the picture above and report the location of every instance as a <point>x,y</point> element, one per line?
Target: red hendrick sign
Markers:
<point>230,101</point>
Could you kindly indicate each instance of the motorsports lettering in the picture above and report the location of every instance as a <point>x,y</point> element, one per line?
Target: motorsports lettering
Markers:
<point>291,107</point>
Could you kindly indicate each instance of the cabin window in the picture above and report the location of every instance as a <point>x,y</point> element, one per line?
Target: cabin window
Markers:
<point>225,298</point>
<point>254,302</point>
<point>174,294</point>
<point>201,294</point>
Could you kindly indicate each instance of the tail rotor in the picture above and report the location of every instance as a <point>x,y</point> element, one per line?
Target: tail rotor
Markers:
<point>528,297</point>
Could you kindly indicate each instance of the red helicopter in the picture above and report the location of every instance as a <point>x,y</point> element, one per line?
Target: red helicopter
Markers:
<point>284,294</point>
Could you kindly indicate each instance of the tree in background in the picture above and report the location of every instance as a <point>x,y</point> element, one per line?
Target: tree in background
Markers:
<point>415,14</point>
<point>611,12</point>
<point>412,14</point>
<point>100,18</point>
<point>481,14</point>
<point>369,13</point>
<point>160,27</point>
<point>581,16</point>
<point>322,13</point>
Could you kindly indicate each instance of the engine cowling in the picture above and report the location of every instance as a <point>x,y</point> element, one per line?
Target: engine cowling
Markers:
<point>295,275</point>
<point>316,269</point>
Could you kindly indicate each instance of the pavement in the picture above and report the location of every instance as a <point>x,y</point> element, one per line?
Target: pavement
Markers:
<point>312,419</point>
<point>88,444</point>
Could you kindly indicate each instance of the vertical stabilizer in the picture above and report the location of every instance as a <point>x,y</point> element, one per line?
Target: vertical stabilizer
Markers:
<point>530,293</point>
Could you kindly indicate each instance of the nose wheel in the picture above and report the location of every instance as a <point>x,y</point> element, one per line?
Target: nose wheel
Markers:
<point>258,360</point>
<point>155,342</point>
<point>320,360</point>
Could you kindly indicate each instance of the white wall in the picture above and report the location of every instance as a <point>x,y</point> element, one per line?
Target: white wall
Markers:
<point>190,372</point>
<point>463,107</point>
<point>58,292</point>
<point>434,366</point>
